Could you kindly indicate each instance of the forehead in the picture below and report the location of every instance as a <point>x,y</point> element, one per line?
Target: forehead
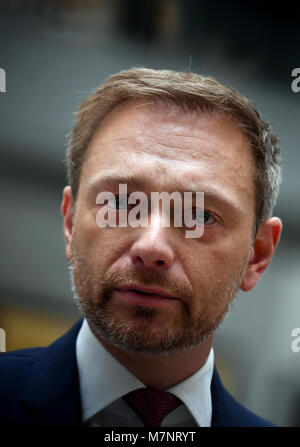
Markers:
<point>170,148</point>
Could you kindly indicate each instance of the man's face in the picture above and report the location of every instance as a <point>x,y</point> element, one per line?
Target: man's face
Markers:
<point>165,151</point>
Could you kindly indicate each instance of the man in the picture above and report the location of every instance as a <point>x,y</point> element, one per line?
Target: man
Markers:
<point>151,297</point>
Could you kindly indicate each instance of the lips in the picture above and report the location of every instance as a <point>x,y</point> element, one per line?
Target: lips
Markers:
<point>147,290</point>
<point>141,295</point>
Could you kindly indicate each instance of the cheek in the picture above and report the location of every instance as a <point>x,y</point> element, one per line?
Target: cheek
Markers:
<point>205,262</point>
<point>97,248</point>
<point>210,267</point>
<point>87,233</point>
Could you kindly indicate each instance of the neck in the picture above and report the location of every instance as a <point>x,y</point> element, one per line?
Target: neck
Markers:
<point>162,372</point>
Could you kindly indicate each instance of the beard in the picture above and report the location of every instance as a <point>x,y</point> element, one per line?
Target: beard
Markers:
<point>140,329</point>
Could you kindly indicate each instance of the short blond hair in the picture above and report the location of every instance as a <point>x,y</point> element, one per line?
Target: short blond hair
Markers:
<point>190,92</point>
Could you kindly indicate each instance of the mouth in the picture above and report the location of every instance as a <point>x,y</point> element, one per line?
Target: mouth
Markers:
<point>145,296</point>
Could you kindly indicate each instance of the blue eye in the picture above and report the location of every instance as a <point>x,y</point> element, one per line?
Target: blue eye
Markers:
<point>120,203</point>
<point>208,218</point>
<point>200,215</point>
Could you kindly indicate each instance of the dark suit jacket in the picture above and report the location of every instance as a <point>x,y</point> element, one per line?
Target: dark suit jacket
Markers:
<point>39,387</point>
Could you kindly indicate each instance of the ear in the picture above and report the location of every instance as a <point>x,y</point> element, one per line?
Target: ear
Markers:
<point>264,246</point>
<point>67,209</point>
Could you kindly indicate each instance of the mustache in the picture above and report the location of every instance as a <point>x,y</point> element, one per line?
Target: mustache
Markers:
<point>113,280</point>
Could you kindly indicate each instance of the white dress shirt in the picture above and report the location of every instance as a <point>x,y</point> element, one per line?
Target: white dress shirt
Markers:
<point>104,380</point>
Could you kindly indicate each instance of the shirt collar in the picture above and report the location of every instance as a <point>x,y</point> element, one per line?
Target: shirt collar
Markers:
<point>195,392</point>
<point>103,379</point>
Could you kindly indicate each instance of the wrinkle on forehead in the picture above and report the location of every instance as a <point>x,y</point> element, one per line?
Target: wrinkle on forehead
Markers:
<point>170,146</point>
<point>154,148</point>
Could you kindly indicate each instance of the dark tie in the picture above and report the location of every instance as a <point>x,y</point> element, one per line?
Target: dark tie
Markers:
<point>152,406</point>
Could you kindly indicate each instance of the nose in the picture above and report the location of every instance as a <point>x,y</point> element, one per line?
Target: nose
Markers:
<point>151,250</point>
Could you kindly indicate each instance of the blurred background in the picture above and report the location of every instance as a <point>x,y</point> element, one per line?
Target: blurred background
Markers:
<point>55,53</point>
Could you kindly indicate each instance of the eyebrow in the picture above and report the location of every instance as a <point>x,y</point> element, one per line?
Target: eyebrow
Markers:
<point>112,179</point>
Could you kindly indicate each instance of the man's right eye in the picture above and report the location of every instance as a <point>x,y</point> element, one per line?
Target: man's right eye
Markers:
<point>120,203</point>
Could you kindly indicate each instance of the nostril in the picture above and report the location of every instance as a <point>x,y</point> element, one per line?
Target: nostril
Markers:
<point>158,262</point>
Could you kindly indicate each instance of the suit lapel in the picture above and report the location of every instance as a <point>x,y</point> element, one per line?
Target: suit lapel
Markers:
<point>226,411</point>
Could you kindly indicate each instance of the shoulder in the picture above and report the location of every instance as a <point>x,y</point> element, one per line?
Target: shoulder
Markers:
<point>15,370</point>
<point>31,379</point>
<point>227,412</point>
<point>14,365</point>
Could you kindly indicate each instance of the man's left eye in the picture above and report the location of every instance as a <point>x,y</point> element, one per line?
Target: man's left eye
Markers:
<point>203,216</point>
